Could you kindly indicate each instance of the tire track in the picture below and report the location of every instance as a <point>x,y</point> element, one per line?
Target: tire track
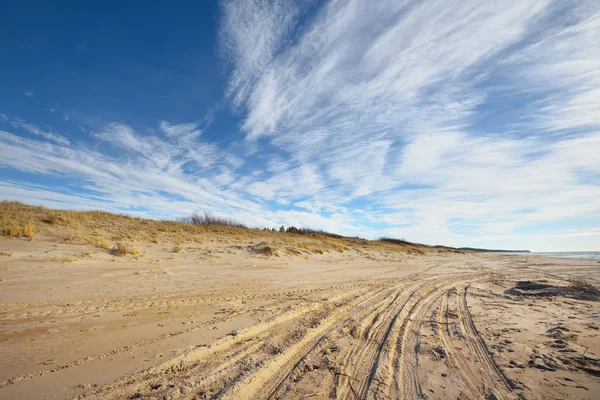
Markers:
<point>365,353</point>
<point>407,380</point>
<point>387,349</point>
<point>20,311</point>
<point>489,369</point>
<point>262,384</point>
<point>455,356</point>
<point>382,361</point>
<point>192,363</point>
<point>299,311</point>
<point>367,306</point>
<point>378,344</point>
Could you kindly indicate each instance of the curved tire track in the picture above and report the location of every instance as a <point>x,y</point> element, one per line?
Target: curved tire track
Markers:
<point>489,369</point>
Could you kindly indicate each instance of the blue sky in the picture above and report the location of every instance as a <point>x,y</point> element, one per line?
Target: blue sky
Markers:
<point>465,123</point>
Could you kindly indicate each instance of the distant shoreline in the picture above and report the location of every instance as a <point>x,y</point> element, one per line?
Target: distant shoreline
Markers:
<point>493,251</point>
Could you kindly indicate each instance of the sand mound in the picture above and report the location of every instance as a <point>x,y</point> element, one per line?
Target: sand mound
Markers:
<point>263,249</point>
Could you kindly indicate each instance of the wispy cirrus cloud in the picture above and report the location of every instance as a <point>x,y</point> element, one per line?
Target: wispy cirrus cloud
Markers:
<point>249,47</point>
<point>188,130</point>
<point>31,128</point>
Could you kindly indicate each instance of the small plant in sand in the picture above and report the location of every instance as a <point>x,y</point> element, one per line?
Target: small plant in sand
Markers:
<point>103,243</point>
<point>119,250</point>
<point>581,283</point>
<point>122,249</point>
<point>264,249</point>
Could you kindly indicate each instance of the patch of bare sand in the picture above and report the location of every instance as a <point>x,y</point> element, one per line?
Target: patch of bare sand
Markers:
<point>220,321</point>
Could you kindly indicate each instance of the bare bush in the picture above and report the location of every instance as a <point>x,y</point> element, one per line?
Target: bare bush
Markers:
<point>312,232</point>
<point>210,219</point>
<point>395,241</point>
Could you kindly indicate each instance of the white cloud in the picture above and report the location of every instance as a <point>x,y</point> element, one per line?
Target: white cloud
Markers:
<point>294,183</point>
<point>563,66</point>
<point>124,136</point>
<point>21,124</point>
<point>247,45</point>
<point>186,129</point>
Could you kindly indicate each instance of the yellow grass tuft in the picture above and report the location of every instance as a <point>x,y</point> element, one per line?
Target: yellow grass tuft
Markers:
<point>103,243</point>
<point>121,249</point>
<point>18,229</point>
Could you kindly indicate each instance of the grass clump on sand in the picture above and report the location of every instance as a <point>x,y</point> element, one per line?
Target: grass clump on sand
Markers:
<point>122,249</point>
<point>264,249</point>
<point>103,243</point>
<point>18,229</point>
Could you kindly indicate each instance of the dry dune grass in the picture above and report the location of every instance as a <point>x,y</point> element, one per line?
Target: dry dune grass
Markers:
<point>18,229</point>
<point>118,233</point>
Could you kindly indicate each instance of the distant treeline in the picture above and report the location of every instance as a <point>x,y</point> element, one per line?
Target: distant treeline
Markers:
<point>494,251</point>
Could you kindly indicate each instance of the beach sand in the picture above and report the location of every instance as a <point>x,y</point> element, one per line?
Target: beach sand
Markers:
<point>215,320</point>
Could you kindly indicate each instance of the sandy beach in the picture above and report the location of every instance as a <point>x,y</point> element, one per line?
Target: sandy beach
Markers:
<point>292,199</point>
<point>218,320</point>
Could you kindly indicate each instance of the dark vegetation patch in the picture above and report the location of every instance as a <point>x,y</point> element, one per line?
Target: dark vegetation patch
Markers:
<point>576,289</point>
<point>310,232</point>
<point>396,241</point>
<point>118,251</point>
<point>210,219</point>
